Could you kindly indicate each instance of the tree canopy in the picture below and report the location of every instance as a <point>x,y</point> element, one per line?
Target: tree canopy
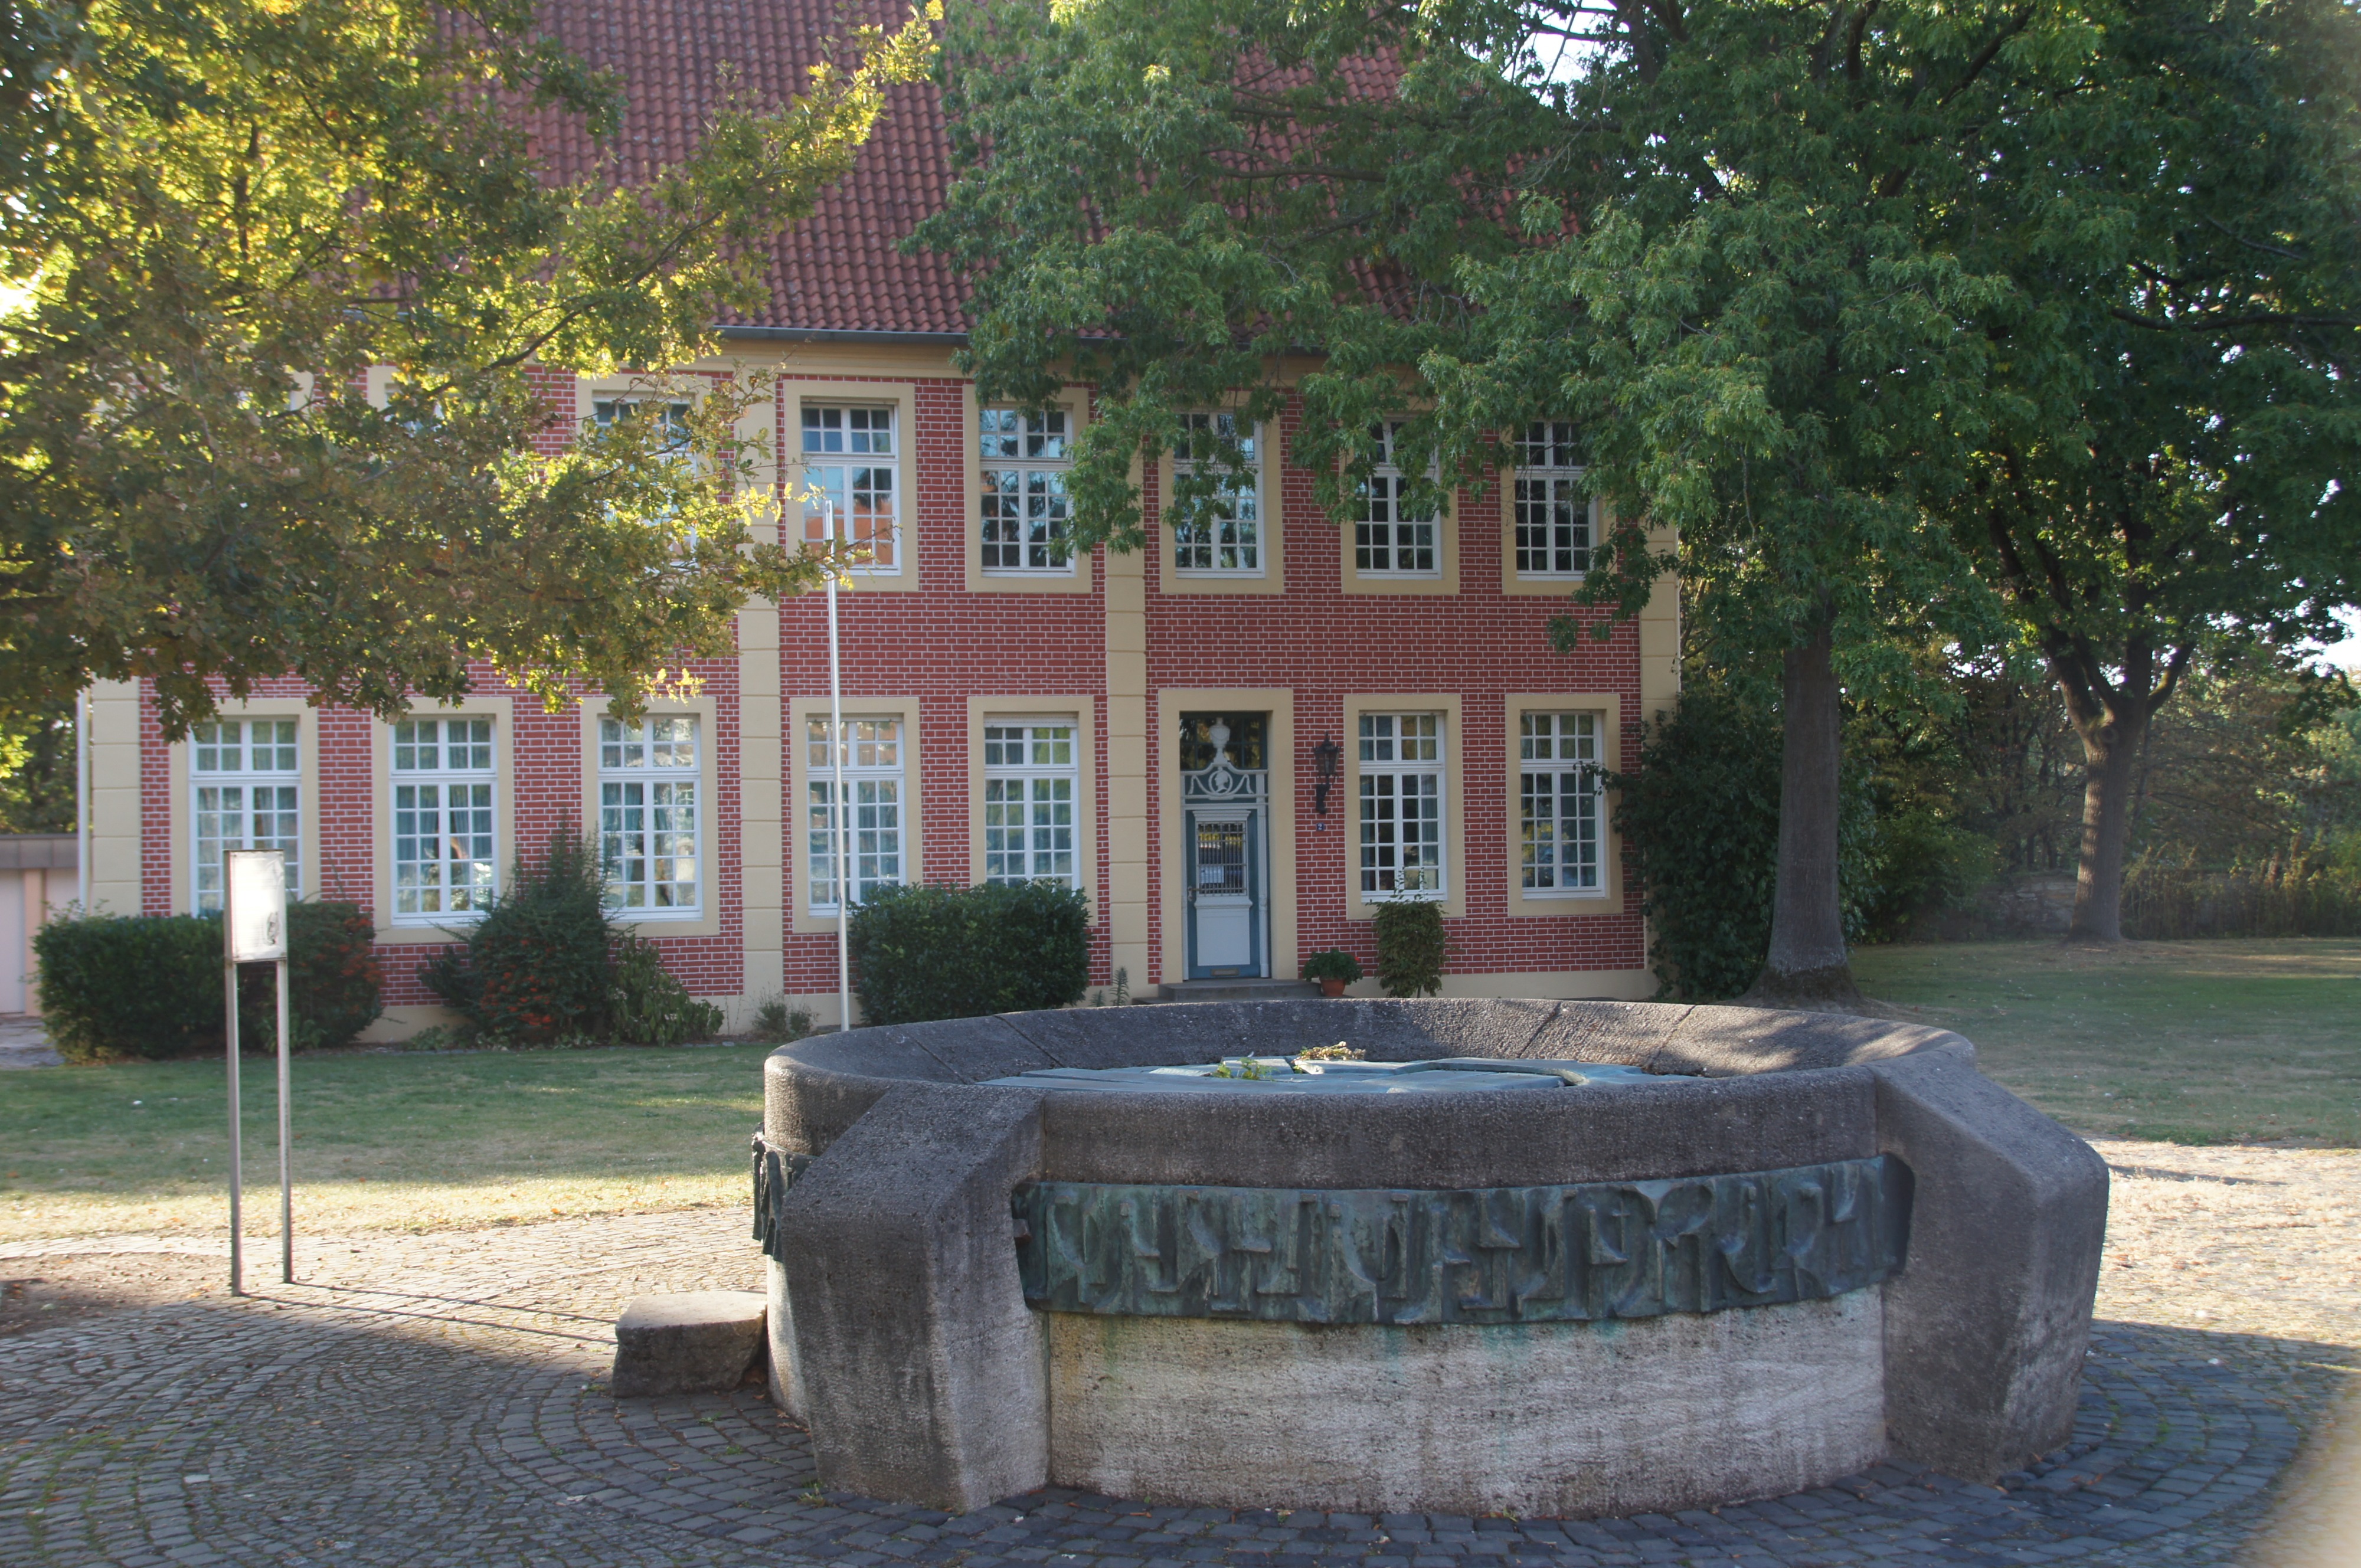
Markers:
<point>220,216</point>
<point>1778,261</point>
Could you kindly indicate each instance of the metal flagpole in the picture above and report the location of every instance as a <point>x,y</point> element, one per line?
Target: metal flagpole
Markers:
<point>286,1124</point>
<point>843,824</point>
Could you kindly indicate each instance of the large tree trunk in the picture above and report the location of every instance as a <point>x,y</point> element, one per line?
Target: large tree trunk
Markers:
<point>2111,743</point>
<point>1807,966</point>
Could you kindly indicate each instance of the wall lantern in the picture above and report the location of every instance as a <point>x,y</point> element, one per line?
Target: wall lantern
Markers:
<point>1327,758</point>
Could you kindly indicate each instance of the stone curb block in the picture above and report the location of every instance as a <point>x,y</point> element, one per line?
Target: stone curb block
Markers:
<point>699,1342</point>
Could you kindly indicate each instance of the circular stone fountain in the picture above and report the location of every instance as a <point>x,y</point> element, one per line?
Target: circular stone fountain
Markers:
<point>1527,1257</point>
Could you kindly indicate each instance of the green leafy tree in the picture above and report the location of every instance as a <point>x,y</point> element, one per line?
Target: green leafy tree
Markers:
<point>1718,245</point>
<point>220,216</point>
<point>2172,478</point>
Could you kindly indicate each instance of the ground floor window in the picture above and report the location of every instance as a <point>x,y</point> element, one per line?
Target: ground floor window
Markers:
<point>1559,801</point>
<point>444,861</point>
<point>245,793</point>
<point>648,801</point>
<point>1401,804</point>
<point>1031,776</point>
<point>873,783</point>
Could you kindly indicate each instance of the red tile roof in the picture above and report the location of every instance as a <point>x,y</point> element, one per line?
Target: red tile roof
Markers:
<point>840,270</point>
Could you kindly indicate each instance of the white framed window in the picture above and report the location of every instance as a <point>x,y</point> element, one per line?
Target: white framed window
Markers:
<point>674,411</point>
<point>873,782</point>
<point>1031,779</point>
<point>444,860</point>
<point>1401,806</point>
<point>1230,541</point>
<point>1553,515</point>
<point>1025,513</point>
<point>1390,539</point>
<point>245,779</point>
<point>848,456</point>
<point>1560,801</point>
<point>647,822</point>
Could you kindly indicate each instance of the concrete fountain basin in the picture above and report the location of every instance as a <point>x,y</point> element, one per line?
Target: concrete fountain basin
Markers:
<point>1478,1274</point>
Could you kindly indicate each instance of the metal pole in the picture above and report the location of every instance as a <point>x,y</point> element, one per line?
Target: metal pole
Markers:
<point>229,1027</point>
<point>843,810</point>
<point>286,1179</point>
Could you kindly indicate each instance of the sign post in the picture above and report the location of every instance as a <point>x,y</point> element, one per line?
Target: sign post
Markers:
<point>254,930</point>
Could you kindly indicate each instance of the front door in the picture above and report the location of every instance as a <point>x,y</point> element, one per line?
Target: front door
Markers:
<point>1225,894</point>
<point>1225,809</point>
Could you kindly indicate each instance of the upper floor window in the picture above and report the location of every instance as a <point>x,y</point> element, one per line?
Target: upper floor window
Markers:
<point>1401,804</point>
<point>1553,515</point>
<point>849,457</point>
<point>1230,539</point>
<point>1030,777</point>
<point>1392,538</point>
<point>648,785</point>
<point>245,784</point>
<point>873,783</point>
<point>1025,512</point>
<point>1559,801</point>
<point>443,859</point>
<point>671,410</point>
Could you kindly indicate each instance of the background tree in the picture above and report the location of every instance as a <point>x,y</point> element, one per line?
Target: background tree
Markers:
<point>1715,246</point>
<point>2174,477</point>
<point>219,215</point>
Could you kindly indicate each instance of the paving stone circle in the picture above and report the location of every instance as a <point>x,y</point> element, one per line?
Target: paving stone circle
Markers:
<point>423,1415</point>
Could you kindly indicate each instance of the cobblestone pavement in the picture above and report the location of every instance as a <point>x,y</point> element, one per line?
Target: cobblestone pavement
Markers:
<point>23,1042</point>
<point>438,1399</point>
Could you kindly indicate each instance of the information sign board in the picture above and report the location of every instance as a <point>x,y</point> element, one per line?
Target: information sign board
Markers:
<point>255,913</point>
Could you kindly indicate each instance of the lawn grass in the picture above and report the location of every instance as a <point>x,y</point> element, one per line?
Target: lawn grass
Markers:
<point>2184,1042</point>
<point>381,1140</point>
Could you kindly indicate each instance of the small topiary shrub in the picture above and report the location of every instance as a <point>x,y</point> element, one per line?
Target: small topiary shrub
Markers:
<point>131,985</point>
<point>1412,947</point>
<point>648,1006</point>
<point>961,952</point>
<point>535,968</point>
<point>1334,964</point>
<point>150,985</point>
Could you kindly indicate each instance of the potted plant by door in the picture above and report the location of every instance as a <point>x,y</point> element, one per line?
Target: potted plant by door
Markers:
<point>1335,969</point>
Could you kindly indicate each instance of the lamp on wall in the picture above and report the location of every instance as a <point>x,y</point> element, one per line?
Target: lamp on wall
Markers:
<point>1327,758</point>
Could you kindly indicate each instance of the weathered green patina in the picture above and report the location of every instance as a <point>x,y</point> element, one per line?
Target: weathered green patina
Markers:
<point>1500,1255</point>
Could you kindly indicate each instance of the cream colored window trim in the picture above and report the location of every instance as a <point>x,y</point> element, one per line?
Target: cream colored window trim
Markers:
<point>1164,768</point>
<point>901,398</point>
<point>1084,712</point>
<point>801,711</point>
<point>1557,906</point>
<point>501,710</point>
<point>707,920</point>
<point>1267,577</point>
<point>1455,795</point>
<point>1076,579</point>
<point>311,883</point>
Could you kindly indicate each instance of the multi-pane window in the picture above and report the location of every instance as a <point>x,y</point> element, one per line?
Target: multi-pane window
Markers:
<point>1228,536</point>
<point>848,456</point>
<point>674,414</point>
<point>1026,458</point>
<point>647,813</point>
<point>1030,777</point>
<point>873,783</point>
<point>443,863</point>
<point>245,777</point>
<point>1401,804</point>
<point>1558,801</point>
<point>1390,537</point>
<point>1552,514</point>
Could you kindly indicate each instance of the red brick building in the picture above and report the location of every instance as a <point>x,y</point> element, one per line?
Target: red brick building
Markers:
<point>1014,710</point>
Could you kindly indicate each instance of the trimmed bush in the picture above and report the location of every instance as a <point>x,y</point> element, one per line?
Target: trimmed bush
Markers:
<point>131,985</point>
<point>649,1007</point>
<point>920,953</point>
<point>1336,964</point>
<point>150,985</point>
<point>535,969</point>
<point>1412,947</point>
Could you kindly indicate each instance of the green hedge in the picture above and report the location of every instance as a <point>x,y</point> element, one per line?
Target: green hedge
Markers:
<point>150,985</point>
<point>1412,947</point>
<point>944,952</point>
<point>534,970</point>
